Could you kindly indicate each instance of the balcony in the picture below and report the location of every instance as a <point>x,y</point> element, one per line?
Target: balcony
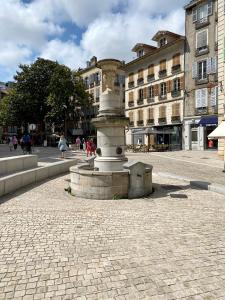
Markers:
<point>140,101</point>
<point>176,69</point>
<point>150,121</point>
<point>200,80</point>
<point>131,103</point>
<point>202,50</point>
<point>162,97</point>
<point>162,73</point>
<point>140,123</point>
<point>131,124</point>
<point>201,111</point>
<point>151,78</point>
<point>162,120</point>
<point>140,81</point>
<point>175,119</point>
<point>130,84</point>
<point>202,23</point>
<point>175,93</point>
<point>150,99</point>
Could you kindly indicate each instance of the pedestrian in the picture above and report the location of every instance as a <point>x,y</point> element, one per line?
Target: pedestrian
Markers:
<point>26,141</point>
<point>93,147</point>
<point>62,145</point>
<point>88,147</point>
<point>15,142</point>
<point>78,143</point>
<point>84,144</point>
<point>10,143</point>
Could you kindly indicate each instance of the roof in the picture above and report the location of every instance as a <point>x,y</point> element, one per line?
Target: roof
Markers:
<point>141,46</point>
<point>161,33</point>
<point>192,3</point>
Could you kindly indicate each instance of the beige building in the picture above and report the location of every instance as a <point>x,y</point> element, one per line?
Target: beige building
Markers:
<point>221,66</point>
<point>92,76</point>
<point>201,84</point>
<point>154,92</point>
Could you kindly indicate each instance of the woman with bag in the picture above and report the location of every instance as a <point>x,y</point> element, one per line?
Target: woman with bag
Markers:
<point>62,146</point>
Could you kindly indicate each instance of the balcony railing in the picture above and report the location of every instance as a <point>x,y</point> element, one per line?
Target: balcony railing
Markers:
<point>131,103</point>
<point>201,111</point>
<point>140,123</point>
<point>151,78</point>
<point>176,68</point>
<point>131,123</point>
<point>140,81</point>
<point>202,23</point>
<point>175,119</point>
<point>131,84</point>
<point>150,121</point>
<point>202,50</point>
<point>140,101</point>
<point>162,120</point>
<point>162,73</point>
<point>162,97</point>
<point>175,93</point>
<point>150,99</point>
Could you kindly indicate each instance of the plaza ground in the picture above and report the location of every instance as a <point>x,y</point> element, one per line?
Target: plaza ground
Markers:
<point>170,245</point>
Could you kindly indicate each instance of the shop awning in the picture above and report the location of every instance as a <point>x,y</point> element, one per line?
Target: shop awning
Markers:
<point>219,132</point>
<point>209,120</point>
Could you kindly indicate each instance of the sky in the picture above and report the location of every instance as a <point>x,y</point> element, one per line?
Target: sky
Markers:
<point>72,31</point>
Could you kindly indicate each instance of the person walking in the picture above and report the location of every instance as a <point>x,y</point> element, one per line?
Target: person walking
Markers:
<point>62,145</point>
<point>84,144</point>
<point>88,147</point>
<point>93,147</point>
<point>10,143</point>
<point>15,142</point>
<point>78,143</point>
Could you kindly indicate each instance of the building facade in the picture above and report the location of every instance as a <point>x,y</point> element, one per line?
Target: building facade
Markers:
<point>92,77</point>
<point>201,80</point>
<point>154,92</point>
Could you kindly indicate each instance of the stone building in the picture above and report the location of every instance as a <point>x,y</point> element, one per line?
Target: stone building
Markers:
<point>221,70</point>
<point>92,76</point>
<point>154,92</point>
<point>201,84</point>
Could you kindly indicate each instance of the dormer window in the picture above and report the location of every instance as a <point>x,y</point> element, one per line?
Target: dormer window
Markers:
<point>140,53</point>
<point>163,42</point>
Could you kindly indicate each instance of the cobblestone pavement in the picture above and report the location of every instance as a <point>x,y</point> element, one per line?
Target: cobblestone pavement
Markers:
<point>168,246</point>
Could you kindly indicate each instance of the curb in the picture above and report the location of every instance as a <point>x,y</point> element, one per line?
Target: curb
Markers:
<point>204,185</point>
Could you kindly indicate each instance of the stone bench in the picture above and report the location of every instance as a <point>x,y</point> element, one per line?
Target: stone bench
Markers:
<point>10,165</point>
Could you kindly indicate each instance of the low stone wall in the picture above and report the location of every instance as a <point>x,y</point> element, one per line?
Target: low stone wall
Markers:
<point>86,183</point>
<point>10,165</point>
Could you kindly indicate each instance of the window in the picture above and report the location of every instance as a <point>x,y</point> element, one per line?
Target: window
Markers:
<point>151,91</point>
<point>201,98</point>
<point>151,113</point>
<point>140,73</point>
<point>176,85</point>
<point>201,13</point>
<point>131,117</point>
<point>202,40</point>
<point>131,77</point>
<point>176,110</point>
<point>162,112</point>
<point>176,59</point>
<point>151,70</point>
<point>202,70</point>
<point>131,96</point>
<point>162,65</point>
<point>163,89</point>
<point>163,42</point>
<point>214,96</point>
<point>140,94</point>
<point>140,53</point>
<point>97,93</point>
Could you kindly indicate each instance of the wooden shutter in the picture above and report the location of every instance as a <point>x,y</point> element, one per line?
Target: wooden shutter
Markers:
<point>197,98</point>
<point>204,97</point>
<point>163,65</point>
<point>131,77</point>
<point>194,70</point>
<point>214,65</point>
<point>209,65</point>
<point>182,86</point>
<point>176,110</point>
<point>194,14</point>
<point>162,112</point>
<point>151,113</point>
<point>156,90</point>
<point>176,59</point>
<point>145,93</point>
<point>131,116</point>
<point>140,115</point>
<point>140,73</point>
<point>131,96</point>
<point>168,86</point>
<point>151,70</point>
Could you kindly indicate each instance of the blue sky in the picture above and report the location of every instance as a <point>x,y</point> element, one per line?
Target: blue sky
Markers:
<point>72,31</point>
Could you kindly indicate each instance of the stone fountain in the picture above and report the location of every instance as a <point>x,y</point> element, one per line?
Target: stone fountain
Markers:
<point>109,175</point>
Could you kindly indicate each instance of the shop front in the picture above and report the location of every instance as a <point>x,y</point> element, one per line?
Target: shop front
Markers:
<point>170,135</point>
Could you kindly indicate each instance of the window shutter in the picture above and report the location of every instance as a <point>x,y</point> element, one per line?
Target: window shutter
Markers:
<point>214,65</point>
<point>209,65</point>
<point>151,113</point>
<point>131,116</point>
<point>163,65</point>
<point>156,90</point>
<point>140,73</point>
<point>204,97</point>
<point>194,70</point>
<point>131,77</point>
<point>197,98</point>
<point>213,97</point>
<point>168,86</point>
<point>151,70</point>
<point>210,7</point>
<point>182,87</point>
<point>131,96</point>
<point>145,93</point>
<point>194,14</point>
<point>140,115</point>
